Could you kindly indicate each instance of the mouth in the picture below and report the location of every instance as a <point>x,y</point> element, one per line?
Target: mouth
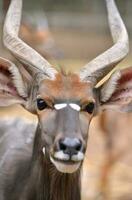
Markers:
<point>65,166</point>
<point>66,163</point>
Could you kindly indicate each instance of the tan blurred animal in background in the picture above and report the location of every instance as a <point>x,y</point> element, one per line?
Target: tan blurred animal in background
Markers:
<point>35,31</point>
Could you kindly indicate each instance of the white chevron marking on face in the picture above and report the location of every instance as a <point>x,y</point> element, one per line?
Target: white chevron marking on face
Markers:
<point>60,106</point>
<point>75,106</point>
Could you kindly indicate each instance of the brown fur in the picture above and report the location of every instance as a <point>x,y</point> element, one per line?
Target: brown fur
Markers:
<point>66,87</point>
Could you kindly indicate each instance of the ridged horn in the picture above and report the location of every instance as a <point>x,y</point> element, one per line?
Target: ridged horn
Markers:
<point>95,70</point>
<point>18,48</point>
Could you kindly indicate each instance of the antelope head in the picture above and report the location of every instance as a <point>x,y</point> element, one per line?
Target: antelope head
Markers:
<point>64,103</point>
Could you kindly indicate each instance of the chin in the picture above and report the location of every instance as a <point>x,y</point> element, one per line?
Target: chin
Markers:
<point>65,166</point>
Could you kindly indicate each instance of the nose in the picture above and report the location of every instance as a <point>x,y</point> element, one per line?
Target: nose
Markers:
<point>70,146</point>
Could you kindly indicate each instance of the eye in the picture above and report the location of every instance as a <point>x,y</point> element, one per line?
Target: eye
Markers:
<point>89,107</point>
<point>41,104</point>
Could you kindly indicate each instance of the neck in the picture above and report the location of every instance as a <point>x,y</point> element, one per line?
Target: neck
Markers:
<point>49,184</point>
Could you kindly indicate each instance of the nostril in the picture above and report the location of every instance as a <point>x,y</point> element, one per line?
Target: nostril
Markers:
<point>78,147</point>
<point>62,146</point>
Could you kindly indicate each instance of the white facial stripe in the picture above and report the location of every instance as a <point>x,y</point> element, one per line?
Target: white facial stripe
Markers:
<point>75,106</point>
<point>60,106</point>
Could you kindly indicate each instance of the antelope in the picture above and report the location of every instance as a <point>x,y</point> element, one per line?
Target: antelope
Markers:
<point>49,167</point>
<point>36,32</point>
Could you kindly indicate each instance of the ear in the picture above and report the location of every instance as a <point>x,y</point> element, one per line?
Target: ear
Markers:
<point>12,87</point>
<point>116,92</point>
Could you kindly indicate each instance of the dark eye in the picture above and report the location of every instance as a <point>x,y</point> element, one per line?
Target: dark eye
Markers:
<point>89,107</point>
<point>41,104</point>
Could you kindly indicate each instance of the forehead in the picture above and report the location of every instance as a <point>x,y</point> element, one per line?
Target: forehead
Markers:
<point>66,87</point>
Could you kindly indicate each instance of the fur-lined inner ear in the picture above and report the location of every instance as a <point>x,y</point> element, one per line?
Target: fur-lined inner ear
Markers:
<point>116,93</point>
<point>18,82</point>
<point>124,89</point>
<point>11,80</point>
<point>109,87</point>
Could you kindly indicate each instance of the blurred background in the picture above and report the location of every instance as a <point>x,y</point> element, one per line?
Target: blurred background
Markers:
<point>70,33</point>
